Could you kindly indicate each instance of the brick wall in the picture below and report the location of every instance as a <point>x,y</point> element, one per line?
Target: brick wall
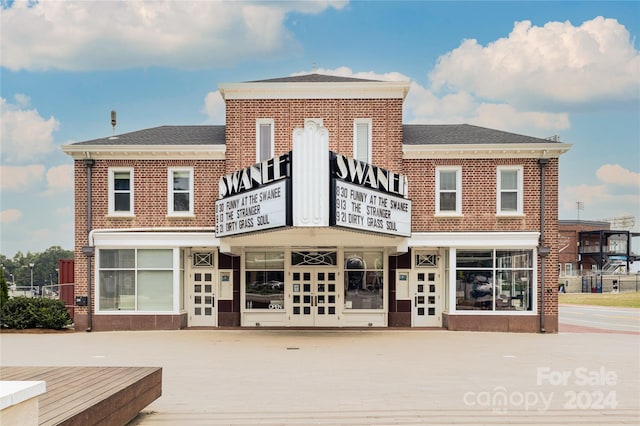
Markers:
<point>150,206</point>
<point>338,117</point>
<point>478,177</point>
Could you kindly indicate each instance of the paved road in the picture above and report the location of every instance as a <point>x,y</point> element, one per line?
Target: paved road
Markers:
<point>594,318</point>
<point>338,377</point>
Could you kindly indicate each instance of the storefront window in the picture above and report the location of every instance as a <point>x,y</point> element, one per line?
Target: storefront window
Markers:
<point>264,280</point>
<point>136,280</point>
<point>494,280</point>
<point>364,280</point>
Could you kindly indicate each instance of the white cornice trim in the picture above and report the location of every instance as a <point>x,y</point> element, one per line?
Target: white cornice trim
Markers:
<point>145,152</point>
<point>525,150</point>
<point>474,239</point>
<point>342,90</point>
<point>103,238</point>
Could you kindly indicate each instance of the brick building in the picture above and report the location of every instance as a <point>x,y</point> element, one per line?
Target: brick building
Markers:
<point>569,244</point>
<point>314,206</point>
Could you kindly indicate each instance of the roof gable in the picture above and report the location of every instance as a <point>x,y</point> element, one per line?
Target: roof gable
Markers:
<point>313,78</point>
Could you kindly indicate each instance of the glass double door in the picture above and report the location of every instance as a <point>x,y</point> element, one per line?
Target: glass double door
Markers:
<point>314,296</point>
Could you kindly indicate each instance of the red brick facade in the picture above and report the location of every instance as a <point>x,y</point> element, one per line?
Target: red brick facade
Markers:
<point>479,182</point>
<point>337,116</point>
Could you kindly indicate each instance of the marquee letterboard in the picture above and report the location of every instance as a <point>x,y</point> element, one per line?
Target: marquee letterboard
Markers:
<point>362,208</point>
<point>257,210</point>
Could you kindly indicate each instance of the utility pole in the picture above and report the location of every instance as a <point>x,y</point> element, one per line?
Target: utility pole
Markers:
<point>579,206</point>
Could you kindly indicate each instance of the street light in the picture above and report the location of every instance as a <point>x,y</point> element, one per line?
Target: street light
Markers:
<point>31,267</point>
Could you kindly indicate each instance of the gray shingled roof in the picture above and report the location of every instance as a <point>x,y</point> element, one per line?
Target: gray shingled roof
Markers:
<point>314,78</point>
<point>414,134</point>
<point>166,135</point>
<point>444,134</point>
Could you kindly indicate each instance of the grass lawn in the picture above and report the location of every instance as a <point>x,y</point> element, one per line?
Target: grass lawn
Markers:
<point>624,300</point>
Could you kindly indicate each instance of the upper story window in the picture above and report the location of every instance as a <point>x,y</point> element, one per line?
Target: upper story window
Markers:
<point>180,196</point>
<point>121,191</point>
<point>448,190</point>
<point>362,139</point>
<point>264,139</point>
<point>509,196</point>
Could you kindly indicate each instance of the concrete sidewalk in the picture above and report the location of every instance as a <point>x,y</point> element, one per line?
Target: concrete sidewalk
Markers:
<point>362,377</point>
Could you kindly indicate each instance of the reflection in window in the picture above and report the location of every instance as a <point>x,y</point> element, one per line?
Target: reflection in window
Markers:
<point>448,190</point>
<point>494,280</point>
<point>135,280</point>
<point>121,191</point>
<point>364,280</point>
<point>510,190</point>
<point>180,196</point>
<point>264,280</point>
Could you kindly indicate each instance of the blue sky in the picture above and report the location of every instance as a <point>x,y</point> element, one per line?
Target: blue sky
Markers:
<point>559,68</point>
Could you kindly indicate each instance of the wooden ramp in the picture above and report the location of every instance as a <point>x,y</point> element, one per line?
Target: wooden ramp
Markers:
<point>86,396</point>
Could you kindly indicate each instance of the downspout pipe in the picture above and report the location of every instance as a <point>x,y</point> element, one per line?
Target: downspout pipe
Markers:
<point>543,250</point>
<point>88,250</point>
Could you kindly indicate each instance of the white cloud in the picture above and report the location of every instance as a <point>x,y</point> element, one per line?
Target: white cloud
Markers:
<point>556,63</point>
<point>427,107</point>
<point>214,108</point>
<point>616,195</point>
<point>10,215</point>
<point>24,133</point>
<point>20,178</point>
<point>616,174</point>
<point>60,178</point>
<point>74,35</point>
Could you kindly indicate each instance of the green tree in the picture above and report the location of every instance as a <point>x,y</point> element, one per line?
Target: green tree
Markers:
<point>4,289</point>
<point>45,266</point>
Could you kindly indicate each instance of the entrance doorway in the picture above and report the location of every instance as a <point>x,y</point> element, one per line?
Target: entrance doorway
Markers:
<point>314,296</point>
<point>203,310</point>
<point>426,310</point>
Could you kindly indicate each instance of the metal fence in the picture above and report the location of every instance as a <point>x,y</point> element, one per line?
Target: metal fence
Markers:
<point>46,291</point>
<point>601,284</point>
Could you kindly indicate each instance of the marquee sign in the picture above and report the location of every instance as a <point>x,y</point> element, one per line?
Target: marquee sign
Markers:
<point>369,198</point>
<point>361,196</point>
<point>362,208</point>
<point>257,210</point>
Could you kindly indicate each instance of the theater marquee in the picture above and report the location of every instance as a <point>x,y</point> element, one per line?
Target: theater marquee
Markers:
<point>255,198</point>
<point>368,198</point>
<point>362,197</point>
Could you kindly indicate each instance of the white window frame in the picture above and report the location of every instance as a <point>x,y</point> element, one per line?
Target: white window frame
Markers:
<point>112,191</point>
<point>369,123</point>
<point>259,122</point>
<point>568,269</point>
<point>458,190</point>
<point>519,191</point>
<point>170,192</point>
<point>177,268</point>
<point>453,279</point>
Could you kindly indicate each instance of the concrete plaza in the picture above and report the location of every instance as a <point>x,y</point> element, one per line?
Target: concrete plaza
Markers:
<point>362,376</point>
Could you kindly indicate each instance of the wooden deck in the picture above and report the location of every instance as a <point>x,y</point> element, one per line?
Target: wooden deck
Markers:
<point>91,395</point>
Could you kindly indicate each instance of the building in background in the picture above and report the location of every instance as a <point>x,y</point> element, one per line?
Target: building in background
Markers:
<point>592,247</point>
<point>315,206</point>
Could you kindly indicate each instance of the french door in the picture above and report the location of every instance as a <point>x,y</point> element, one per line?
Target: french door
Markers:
<point>426,305</point>
<point>202,292</point>
<point>314,297</point>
